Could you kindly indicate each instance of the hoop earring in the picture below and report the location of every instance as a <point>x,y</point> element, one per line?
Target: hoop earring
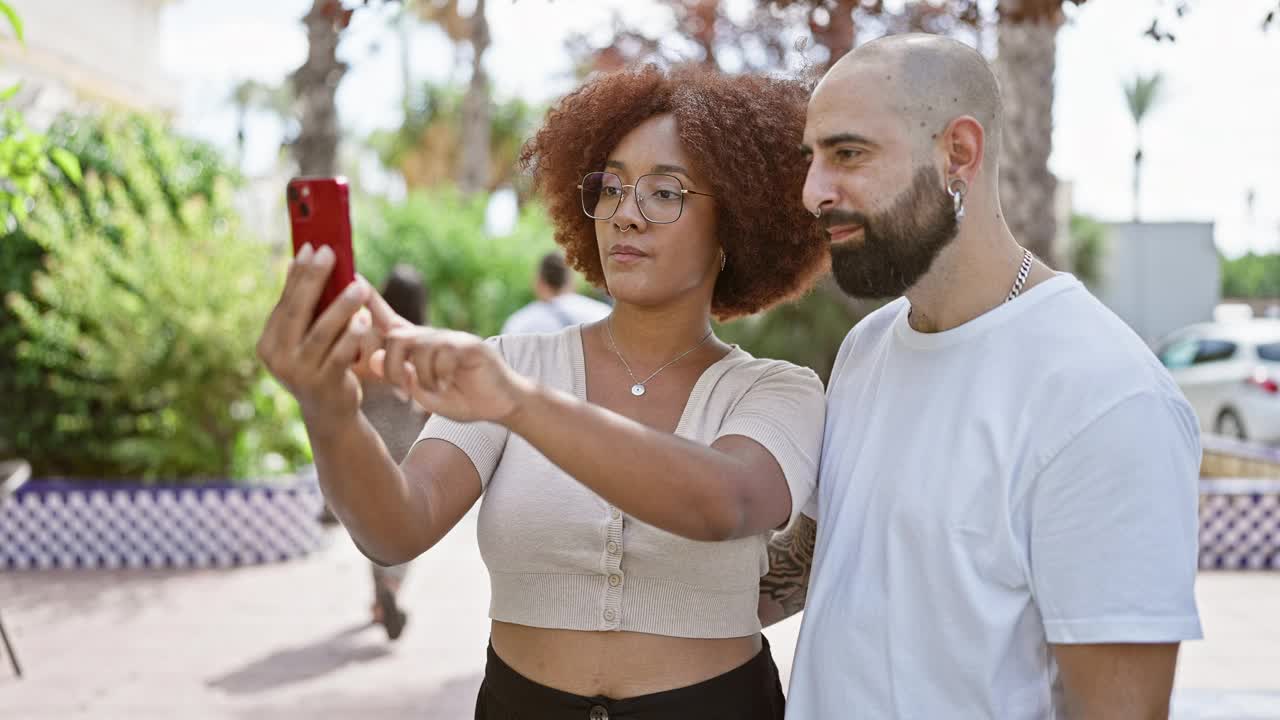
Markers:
<point>724,260</point>
<point>817,214</point>
<point>957,196</point>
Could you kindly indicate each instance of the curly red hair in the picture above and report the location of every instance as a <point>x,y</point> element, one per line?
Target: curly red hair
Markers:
<point>742,131</point>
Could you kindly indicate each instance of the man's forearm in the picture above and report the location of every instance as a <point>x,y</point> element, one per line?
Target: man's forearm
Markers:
<point>784,590</point>
<point>366,490</point>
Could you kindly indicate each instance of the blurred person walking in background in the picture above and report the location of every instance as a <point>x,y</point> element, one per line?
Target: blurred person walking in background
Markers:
<point>398,421</point>
<point>557,306</point>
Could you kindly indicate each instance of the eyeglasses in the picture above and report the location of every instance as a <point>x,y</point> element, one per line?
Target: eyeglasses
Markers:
<point>659,197</point>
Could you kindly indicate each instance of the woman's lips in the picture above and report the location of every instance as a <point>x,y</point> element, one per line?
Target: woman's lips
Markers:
<point>626,254</point>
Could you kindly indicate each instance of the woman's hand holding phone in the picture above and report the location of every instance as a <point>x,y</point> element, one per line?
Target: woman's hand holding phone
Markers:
<point>321,363</point>
<point>316,361</point>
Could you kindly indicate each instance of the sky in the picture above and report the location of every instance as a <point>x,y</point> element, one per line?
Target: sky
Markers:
<point>1215,138</point>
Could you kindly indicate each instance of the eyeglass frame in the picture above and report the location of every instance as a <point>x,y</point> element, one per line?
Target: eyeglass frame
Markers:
<point>639,204</point>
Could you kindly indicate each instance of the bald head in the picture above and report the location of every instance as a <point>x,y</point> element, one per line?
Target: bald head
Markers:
<point>927,80</point>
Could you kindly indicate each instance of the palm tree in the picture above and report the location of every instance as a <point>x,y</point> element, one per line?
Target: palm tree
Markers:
<point>477,119</point>
<point>243,98</point>
<point>247,96</point>
<point>315,84</point>
<point>429,147</point>
<point>250,96</point>
<point>1026,47</point>
<point>474,160</point>
<point>1142,94</point>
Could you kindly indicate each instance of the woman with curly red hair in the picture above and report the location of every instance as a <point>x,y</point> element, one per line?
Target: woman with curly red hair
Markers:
<point>631,470</point>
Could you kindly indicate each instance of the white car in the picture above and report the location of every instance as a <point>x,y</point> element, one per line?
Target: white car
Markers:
<point>1230,373</point>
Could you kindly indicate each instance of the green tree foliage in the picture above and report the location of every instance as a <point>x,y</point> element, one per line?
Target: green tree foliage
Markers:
<point>25,155</point>
<point>1251,276</point>
<point>807,332</point>
<point>1088,249</point>
<point>428,151</point>
<point>127,343</point>
<point>475,280</point>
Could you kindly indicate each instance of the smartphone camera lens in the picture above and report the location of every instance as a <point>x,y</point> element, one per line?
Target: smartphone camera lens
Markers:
<point>305,209</point>
<point>292,193</point>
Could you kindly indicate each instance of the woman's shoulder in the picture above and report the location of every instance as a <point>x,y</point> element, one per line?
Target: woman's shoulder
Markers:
<point>769,399</point>
<point>772,370</point>
<point>743,361</point>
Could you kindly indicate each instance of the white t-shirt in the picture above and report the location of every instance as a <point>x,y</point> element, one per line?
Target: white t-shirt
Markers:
<point>1027,478</point>
<point>555,315</point>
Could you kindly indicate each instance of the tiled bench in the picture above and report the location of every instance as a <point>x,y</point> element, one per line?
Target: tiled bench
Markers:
<point>64,524</point>
<point>1239,506</point>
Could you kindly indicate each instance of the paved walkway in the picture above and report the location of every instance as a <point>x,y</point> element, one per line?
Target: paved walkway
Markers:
<point>290,641</point>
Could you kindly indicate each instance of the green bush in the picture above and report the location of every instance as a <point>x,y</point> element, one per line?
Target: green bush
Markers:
<point>476,281</point>
<point>160,174</point>
<point>1088,250</point>
<point>129,350</point>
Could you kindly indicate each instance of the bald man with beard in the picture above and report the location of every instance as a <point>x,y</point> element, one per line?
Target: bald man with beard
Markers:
<point>1006,519</point>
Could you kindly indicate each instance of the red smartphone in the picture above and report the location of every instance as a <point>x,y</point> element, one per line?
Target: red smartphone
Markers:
<point>320,214</point>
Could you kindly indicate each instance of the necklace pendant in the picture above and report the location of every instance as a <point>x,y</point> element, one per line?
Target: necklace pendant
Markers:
<point>637,389</point>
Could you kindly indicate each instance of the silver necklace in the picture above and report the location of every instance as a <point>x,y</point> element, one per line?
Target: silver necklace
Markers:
<point>638,388</point>
<point>1023,272</point>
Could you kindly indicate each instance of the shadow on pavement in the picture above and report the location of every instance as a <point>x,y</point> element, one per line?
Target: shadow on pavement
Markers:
<point>285,667</point>
<point>63,592</point>
<point>454,699</point>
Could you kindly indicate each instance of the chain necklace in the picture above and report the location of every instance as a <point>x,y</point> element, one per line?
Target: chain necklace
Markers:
<point>1023,271</point>
<point>638,388</point>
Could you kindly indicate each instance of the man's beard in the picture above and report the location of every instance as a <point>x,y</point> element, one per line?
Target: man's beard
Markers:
<point>899,245</point>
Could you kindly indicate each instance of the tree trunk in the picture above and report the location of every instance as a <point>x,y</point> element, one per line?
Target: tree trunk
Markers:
<point>473,168</point>
<point>701,20</point>
<point>833,28</point>
<point>406,73</point>
<point>1025,66</point>
<point>315,87</point>
<point>1137,181</point>
<point>242,122</point>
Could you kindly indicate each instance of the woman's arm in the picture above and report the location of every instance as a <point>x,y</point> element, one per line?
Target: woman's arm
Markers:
<point>392,515</point>
<point>734,488</point>
<point>737,487</point>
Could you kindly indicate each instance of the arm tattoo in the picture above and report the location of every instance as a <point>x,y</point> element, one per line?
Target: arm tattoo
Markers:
<point>790,559</point>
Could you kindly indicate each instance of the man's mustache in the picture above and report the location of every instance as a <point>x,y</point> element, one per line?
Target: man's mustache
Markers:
<point>834,218</point>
